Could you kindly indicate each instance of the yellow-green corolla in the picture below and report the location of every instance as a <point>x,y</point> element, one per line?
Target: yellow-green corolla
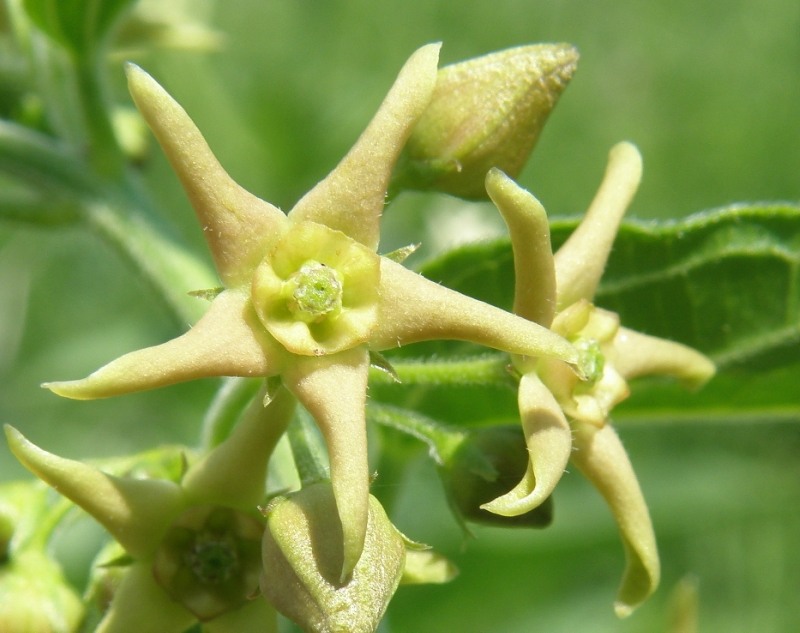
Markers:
<point>194,546</point>
<point>565,418</point>
<point>306,297</point>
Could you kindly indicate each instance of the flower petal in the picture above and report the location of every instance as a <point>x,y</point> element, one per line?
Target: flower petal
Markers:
<point>234,473</point>
<point>581,260</point>
<point>334,390</point>
<point>414,309</point>
<point>549,440</point>
<point>534,267</point>
<point>237,224</point>
<point>140,605</point>
<point>351,198</point>
<point>135,511</point>
<point>602,459</point>
<point>223,343</point>
<point>257,616</point>
<point>427,567</point>
<point>634,354</point>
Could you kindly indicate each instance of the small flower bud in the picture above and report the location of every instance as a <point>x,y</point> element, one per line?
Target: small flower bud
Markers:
<point>487,464</point>
<point>302,555</point>
<point>35,598</point>
<point>485,112</point>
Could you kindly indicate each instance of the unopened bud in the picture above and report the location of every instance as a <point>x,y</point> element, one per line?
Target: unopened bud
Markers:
<point>487,464</point>
<point>35,598</point>
<point>485,112</point>
<point>302,555</point>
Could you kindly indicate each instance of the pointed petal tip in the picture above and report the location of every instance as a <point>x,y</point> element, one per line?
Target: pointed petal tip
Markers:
<point>131,67</point>
<point>68,389</point>
<point>26,452</point>
<point>139,80</point>
<point>13,437</point>
<point>623,610</point>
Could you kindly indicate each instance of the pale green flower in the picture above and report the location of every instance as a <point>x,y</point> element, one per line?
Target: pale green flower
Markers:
<point>306,297</point>
<point>195,547</point>
<point>565,418</point>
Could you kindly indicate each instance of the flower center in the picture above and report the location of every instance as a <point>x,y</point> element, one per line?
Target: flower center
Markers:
<point>214,557</point>
<point>314,292</point>
<point>591,360</point>
<point>210,560</point>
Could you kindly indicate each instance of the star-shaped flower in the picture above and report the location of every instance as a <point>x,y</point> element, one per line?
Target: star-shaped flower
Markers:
<point>559,411</point>
<point>306,297</point>
<point>195,546</point>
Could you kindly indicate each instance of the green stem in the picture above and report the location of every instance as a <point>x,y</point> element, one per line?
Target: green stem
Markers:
<point>226,407</point>
<point>307,449</point>
<point>105,154</point>
<point>43,162</point>
<point>441,439</point>
<point>169,268</point>
<point>37,212</point>
<point>484,370</point>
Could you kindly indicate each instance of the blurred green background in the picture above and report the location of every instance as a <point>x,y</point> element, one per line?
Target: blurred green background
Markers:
<point>709,91</point>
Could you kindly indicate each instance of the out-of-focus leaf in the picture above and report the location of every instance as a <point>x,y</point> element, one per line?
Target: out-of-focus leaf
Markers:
<point>79,25</point>
<point>726,282</point>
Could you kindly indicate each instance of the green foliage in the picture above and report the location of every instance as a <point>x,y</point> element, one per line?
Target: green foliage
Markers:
<point>78,25</point>
<point>726,282</point>
<point>723,281</point>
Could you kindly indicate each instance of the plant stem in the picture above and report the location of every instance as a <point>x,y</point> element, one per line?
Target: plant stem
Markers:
<point>38,212</point>
<point>42,161</point>
<point>226,407</point>
<point>440,439</point>
<point>484,370</point>
<point>105,154</point>
<point>169,268</point>
<point>307,449</point>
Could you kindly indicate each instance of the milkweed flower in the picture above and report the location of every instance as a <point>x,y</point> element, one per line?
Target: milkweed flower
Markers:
<point>305,295</point>
<point>566,418</point>
<point>194,546</point>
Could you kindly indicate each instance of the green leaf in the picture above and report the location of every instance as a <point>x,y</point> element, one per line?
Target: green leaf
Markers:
<point>79,25</point>
<point>726,282</point>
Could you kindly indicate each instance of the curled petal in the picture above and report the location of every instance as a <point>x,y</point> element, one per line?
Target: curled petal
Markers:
<point>634,354</point>
<point>234,473</point>
<point>238,226</point>
<point>222,343</point>
<point>601,457</point>
<point>135,511</point>
<point>549,440</point>
<point>581,260</point>
<point>534,267</point>
<point>416,309</point>
<point>427,567</point>
<point>140,605</point>
<point>334,390</point>
<point>351,198</point>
